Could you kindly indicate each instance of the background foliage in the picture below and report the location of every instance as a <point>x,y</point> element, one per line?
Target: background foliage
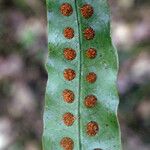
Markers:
<point>23,47</point>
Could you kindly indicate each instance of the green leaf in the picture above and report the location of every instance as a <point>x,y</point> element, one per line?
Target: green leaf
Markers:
<point>105,135</point>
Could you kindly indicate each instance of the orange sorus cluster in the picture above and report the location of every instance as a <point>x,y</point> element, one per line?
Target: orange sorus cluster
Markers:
<point>90,101</point>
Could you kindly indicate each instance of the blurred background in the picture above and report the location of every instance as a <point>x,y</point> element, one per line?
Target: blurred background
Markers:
<point>23,49</point>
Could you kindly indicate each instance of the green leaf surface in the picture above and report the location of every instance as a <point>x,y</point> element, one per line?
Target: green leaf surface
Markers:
<point>104,65</point>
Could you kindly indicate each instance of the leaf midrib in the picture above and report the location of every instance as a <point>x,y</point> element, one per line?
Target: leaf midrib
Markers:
<point>80,66</point>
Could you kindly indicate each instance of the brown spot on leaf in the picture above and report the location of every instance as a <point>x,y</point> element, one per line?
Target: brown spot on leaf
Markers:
<point>89,33</point>
<point>67,143</point>
<point>66,9</point>
<point>69,74</point>
<point>92,128</point>
<point>69,54</point>
<point>87,11</point>
<point>91,77</point>
<point>90,101</point>
<point>68,119</point>
<point>68,96</point>
<point>91,53</point>
<point>68,33</point>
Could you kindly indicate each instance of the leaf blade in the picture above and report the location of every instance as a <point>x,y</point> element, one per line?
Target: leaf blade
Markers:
<point>105,65</point>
